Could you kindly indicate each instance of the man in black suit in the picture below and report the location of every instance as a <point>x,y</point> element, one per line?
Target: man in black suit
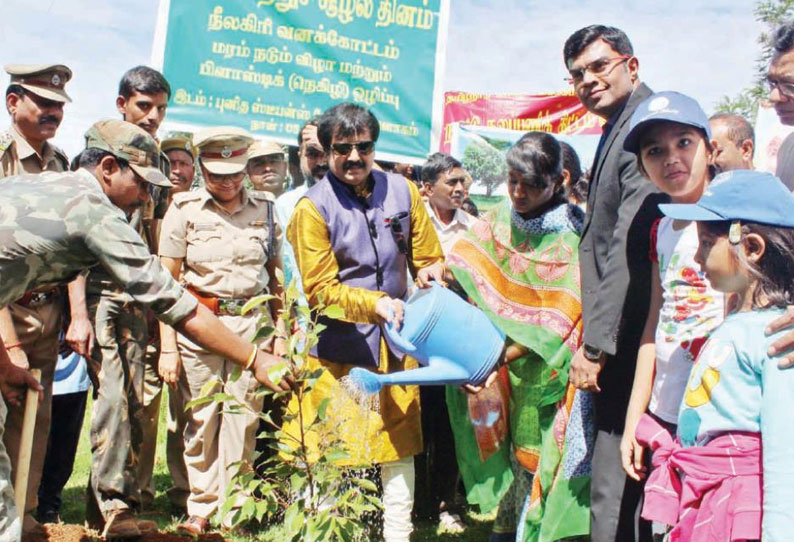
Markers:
<point>780,79</point>
<point>615,267</point>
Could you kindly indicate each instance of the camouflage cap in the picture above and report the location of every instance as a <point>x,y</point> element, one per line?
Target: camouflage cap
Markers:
<point>264,148</point>
<point>45,80</point>
<point>178,144</point>
<point>223,149</point>
<point>131,143</point>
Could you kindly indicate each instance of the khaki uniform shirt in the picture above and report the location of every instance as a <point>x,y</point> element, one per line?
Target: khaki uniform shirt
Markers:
<point>448,234</point>
<point>18,157</point>
<point>54,225</point>
<point>224,253</point>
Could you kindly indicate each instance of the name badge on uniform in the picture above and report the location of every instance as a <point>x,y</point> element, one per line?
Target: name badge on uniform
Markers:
<point>258,223</point>
<point>204,226</point>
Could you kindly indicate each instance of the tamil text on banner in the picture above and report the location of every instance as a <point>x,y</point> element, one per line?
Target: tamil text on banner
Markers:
<point>558,113</point>
<point>270,65</point>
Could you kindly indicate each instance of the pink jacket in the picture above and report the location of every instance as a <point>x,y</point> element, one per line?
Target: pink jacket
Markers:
<point>710,493</point>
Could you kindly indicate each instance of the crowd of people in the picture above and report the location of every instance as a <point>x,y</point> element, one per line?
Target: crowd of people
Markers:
<point>645,304</point>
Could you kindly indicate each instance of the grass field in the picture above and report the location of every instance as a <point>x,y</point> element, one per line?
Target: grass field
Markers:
<point>73,510</point>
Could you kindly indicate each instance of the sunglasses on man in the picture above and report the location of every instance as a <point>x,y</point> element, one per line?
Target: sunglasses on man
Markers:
<point>344,149</point>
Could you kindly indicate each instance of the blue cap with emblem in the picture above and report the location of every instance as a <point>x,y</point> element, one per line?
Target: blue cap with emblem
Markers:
<point>744,195</point>
<point>665,106</point>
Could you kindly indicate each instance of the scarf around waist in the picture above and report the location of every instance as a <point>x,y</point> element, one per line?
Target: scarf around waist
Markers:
<point>710,493</point>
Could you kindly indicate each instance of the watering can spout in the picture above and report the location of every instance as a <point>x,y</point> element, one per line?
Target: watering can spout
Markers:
<point>438,370</point>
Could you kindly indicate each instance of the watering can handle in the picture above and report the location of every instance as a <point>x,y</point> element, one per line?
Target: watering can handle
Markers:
<point>396,339</point>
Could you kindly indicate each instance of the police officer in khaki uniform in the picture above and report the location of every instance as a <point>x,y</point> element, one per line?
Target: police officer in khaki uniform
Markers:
<point>34,99</point>
<point>182,155</point>
<point>267,167</point>
<point>225,243</point>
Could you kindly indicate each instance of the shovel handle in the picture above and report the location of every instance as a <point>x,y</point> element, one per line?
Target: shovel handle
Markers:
<point>26,446</point>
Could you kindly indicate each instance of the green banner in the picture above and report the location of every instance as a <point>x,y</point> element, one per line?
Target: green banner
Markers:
<point>270,65</point>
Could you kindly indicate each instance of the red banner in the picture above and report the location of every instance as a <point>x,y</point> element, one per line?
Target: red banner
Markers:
<point>558,113</point>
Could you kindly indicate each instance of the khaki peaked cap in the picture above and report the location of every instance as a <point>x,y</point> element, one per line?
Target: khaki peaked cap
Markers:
<point>178,144</point>
<point>45,80</point>
<point>223,150</point>
<point>264,148</point>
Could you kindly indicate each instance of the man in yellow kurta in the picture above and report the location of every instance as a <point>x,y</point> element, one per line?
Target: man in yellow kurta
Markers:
<point>356,234</point>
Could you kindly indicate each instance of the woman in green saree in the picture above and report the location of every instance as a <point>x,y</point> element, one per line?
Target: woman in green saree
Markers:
<point>519,264</point>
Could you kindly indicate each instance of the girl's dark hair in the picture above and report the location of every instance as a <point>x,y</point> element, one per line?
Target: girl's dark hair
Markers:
<point>774,271</point>
<point>538,156</point>
<point>576,190</point>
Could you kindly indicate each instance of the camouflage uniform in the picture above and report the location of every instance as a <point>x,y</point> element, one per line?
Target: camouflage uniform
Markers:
<point>224,256</point>
<point>36,319</point>
<point>54,225</point>
<point>116,417</point>
<point>119,418</point>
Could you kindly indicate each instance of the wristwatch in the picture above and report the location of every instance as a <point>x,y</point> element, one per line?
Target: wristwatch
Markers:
<point>592,353</point>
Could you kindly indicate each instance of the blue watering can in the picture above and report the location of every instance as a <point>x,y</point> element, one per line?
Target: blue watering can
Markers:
<point>454,341</point>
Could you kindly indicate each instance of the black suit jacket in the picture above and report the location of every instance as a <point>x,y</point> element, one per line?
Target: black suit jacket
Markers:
<point>615,264</point>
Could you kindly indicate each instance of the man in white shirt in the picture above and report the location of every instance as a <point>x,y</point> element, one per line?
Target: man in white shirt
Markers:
<point>314,165</point>
<point>444,181</point>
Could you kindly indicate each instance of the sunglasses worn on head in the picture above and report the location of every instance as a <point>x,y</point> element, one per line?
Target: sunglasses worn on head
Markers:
<point>344,149</point>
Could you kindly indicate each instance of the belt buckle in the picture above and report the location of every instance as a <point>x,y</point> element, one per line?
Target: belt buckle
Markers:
<point>231,307</point>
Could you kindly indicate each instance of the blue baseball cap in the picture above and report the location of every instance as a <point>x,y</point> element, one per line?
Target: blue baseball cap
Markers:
<point>665,106</point>
<point>744,195</point>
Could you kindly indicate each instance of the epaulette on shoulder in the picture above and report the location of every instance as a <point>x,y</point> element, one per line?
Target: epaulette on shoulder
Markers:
<point>262,195</point>
<point>182,198</point>
<point>6,140</point>
<point>61,156</point>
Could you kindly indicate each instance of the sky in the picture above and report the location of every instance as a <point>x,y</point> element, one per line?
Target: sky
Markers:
<point>704,48</point>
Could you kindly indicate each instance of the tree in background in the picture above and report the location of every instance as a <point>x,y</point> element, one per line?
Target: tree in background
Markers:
<point>486,165</point>
<point>772,13</point>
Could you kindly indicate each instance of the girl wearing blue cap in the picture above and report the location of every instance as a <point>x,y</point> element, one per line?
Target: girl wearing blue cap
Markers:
<point>670,135</point>
<point>708,482</point>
